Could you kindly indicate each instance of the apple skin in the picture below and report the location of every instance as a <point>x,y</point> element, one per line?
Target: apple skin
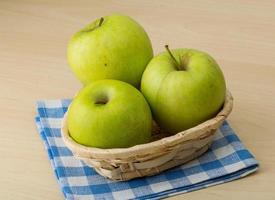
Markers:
<point>181,99</point>
<point>109,114</point>
<point>117,49</point>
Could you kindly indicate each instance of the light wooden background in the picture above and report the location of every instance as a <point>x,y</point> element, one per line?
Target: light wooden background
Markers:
<point>33,38</point>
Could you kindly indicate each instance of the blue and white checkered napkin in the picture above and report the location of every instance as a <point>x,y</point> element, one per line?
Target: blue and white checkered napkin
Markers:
<point>226,160</point>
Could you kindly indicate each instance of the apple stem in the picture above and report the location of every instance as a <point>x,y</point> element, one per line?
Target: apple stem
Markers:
<point>183,61</point>
<point>178,65</point>
<point>100,21</point>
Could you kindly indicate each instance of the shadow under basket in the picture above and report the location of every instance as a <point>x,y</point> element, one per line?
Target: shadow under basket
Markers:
<point>148,159</point>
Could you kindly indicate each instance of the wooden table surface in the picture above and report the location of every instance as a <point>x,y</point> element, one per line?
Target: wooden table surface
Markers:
<point>33,39</point>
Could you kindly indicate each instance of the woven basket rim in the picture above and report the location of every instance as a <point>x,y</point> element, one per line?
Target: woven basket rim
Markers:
<point>134,150</point>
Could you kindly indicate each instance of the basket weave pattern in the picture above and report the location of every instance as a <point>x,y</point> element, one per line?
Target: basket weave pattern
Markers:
<point>152,158</point>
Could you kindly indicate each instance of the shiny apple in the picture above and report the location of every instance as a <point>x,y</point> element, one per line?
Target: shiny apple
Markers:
<point>184,87</point>
<point>111,47</point>
<point>109,114</point>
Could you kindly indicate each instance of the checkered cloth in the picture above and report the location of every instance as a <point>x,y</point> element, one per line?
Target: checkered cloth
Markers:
<point>226,160</point>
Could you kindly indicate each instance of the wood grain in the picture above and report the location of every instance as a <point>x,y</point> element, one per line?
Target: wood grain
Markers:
<point>33,38</point>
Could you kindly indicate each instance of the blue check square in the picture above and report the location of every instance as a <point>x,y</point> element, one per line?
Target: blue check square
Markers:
<point>226,160</point>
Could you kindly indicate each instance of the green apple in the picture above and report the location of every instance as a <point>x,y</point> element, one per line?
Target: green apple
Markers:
<point>112,47</point>
<point>184,87</point>
<point>109,114</point>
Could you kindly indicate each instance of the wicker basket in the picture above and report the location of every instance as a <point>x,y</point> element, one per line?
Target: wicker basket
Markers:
<point>152,158</point>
